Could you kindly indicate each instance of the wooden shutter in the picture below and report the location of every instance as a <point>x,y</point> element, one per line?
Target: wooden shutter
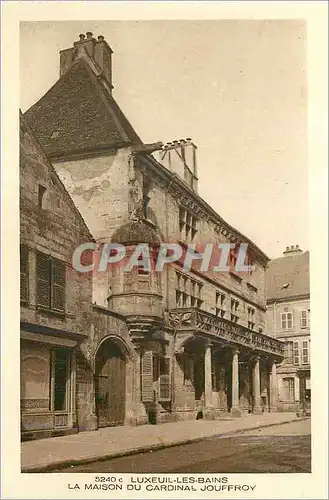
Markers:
<point>164,380</point>
<point>296,353</point>
<point>43,280</point>
<point>58,285</point>
<point>304,322</point>
<point>147,377</point>
<point>24,273</point>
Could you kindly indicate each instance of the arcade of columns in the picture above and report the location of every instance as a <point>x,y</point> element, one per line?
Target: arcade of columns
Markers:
<point>235,386</point>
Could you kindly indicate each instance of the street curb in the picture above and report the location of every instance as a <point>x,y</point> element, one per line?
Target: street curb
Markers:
<point>61,464</point>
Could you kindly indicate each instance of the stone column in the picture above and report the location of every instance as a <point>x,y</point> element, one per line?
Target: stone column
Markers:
<point>256,387</point>
<point>273,390</point>
<point>207,377</point>
<point>235,410</point>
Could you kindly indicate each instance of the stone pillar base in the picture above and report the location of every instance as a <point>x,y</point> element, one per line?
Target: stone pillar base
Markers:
<point>209,414</point>
<point>257,410</point>
<point>235,411</point>
<point>273,409</point>
<point>92,423</point>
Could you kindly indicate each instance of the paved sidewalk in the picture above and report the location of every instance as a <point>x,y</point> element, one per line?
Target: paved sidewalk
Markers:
<point>110,442</point>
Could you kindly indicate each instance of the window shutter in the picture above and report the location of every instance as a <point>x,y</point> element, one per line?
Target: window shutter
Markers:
<point>296,353</point>
<point>43,280</point>
<point>58,285</point>
<point>283,321</point>
<point>164,381</point>
<point>147,377</point>
<point>304,319</point>
<point>24,273</point>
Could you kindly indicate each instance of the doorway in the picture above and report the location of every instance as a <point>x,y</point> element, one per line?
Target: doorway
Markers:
<point>110,385</point>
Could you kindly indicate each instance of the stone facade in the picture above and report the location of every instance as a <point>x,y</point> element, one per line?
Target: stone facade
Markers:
<point>52,326</point>
<point>168,345</point>
<point>288,319</point>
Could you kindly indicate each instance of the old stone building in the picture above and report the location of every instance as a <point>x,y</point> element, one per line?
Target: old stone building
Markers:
<point>55,299</point>
<point>163,345</point>
<point>288,319</point>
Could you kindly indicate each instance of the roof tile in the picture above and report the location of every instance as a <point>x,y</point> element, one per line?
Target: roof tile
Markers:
<point>78,113</point>
<point>288,276</point>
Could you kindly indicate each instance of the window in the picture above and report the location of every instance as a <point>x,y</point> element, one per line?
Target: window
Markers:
<point>220,304</point>
<point>41,193</point>
<point>188,292</point>
<point>289,389</point>
<point>286,321</point>
<point>50,283</point>
<point>305,352</point>
<point>187,224</point>
<point>288,352</point>
<point>140,266</point>
<point>24,274</point>
<point>304,319</point>
<point>296,353</point>
<point>234,310</point>
<point>251,318</point>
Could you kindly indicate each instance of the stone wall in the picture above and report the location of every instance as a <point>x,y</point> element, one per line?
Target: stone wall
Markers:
<point>56,229</point>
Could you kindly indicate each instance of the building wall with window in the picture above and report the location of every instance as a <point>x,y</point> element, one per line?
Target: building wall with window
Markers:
<point>288,319</point>
<point>55,298</point>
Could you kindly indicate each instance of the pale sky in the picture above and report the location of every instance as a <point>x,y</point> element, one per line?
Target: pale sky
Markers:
<point>238,88</point>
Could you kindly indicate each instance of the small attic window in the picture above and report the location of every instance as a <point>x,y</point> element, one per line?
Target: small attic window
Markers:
<point>55,134</point>
<point>285,286</point>
<point>41,193</point>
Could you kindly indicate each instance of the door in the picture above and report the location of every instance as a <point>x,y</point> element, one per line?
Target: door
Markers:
<point>110,385</point>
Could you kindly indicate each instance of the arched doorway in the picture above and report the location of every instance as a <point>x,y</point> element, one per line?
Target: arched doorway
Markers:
<point>110,384</point>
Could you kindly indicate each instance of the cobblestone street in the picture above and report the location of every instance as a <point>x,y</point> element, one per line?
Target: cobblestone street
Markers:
<point>285,448</point>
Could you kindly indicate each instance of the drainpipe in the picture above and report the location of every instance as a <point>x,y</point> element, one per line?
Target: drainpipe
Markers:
<point>274,319</point>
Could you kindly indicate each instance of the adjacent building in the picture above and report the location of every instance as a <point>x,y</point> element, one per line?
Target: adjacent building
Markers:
<point>167,345</point>
<point>288,319</point>
<point>55,299</point>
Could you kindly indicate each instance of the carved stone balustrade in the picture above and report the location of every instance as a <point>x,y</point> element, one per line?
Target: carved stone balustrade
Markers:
<point>196,321</point>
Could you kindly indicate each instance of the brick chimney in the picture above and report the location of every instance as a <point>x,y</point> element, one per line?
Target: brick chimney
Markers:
<point>180,157</point>
<point>97,52</point>
<point>293,250</point>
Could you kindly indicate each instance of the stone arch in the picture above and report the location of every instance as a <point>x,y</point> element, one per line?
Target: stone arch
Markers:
<point>120,342</point>
<point>181,342</point>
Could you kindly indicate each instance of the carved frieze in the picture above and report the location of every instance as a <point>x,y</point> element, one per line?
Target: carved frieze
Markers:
<point>203,322</point>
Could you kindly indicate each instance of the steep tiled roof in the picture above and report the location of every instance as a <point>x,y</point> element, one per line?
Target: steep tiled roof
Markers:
<point>288,276</point>
<point>79,114</point>
<point>28,157</point>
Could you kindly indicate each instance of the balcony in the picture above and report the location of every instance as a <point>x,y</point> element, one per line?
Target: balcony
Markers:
<point>202,322</point>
